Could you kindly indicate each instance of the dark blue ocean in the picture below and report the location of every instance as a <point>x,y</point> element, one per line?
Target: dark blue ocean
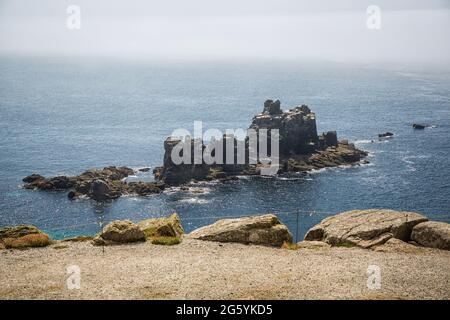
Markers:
<point>63,116</point>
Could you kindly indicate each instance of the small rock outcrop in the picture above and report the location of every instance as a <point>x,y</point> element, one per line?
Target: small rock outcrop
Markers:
<point>385,135</point>
<point>98,184</point>
<point>365,228</point>
<point>118,232</point>
<point>23,236</point>
<point>261,230</point>
<point>432,234</point>
<point>162,227</point>
<point>102,190</point>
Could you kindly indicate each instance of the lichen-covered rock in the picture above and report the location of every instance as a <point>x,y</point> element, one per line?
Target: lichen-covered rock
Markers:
<point>263,229</point>
<point>162,227</point>
<point>432,234</point>
<point>119,231</point>
<point>365,228</point>
<point>23,236</point>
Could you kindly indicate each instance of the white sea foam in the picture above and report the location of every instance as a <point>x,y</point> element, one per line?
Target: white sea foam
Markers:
<point>409,163</point>
<point>364,141</point>
<point>194,200</point>
<point>198,190</point>
<point>288,178</point>
<point>316,171</point>
<point>373,141</point>
<point>341,167</point>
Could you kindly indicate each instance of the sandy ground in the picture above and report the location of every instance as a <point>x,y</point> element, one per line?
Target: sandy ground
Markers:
<point>207,270</point>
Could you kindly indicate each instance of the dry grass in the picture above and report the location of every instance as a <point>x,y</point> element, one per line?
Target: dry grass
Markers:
<point>289,246</point>
<point>60,246</point>
<point>29,240</point>
<point>79,239</point>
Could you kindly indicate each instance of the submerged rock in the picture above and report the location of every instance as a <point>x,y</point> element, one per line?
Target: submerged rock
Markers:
<point>263,230</point>
<point>23,236</point>
<point>365,228</point>
<point>119,231</point>
<point>432,234</point>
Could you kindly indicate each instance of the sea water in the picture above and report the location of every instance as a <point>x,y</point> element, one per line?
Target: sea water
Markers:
<point>61,116</point>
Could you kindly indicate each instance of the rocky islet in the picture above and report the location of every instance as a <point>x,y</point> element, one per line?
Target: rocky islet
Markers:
<point>301,150</point>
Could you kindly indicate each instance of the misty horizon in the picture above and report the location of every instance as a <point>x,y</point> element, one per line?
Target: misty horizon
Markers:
<point>412,32</point>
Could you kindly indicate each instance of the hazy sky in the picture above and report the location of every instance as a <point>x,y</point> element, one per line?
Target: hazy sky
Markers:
<point>412,31</point>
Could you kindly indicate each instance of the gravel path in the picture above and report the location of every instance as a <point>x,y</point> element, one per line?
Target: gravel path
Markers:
<point>207,270</point>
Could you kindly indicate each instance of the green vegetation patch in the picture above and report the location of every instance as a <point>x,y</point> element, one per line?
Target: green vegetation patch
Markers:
<point>166,241</point>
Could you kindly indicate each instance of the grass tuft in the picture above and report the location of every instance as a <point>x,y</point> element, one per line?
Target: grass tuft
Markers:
<point>29,240</point>
<point>79,239</point>
<point>166,241</point>
<point>289,246</point>
<point>60,246</point>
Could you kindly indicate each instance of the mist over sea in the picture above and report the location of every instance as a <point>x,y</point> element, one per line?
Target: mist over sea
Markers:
<point>63,116</point>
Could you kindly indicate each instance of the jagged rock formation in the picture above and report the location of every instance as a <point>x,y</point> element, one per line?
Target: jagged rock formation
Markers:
<point>297,127</point>
<point>103,184</point>
<point>263,230</point>
<point>300,149</point>
<point>172,173</point>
